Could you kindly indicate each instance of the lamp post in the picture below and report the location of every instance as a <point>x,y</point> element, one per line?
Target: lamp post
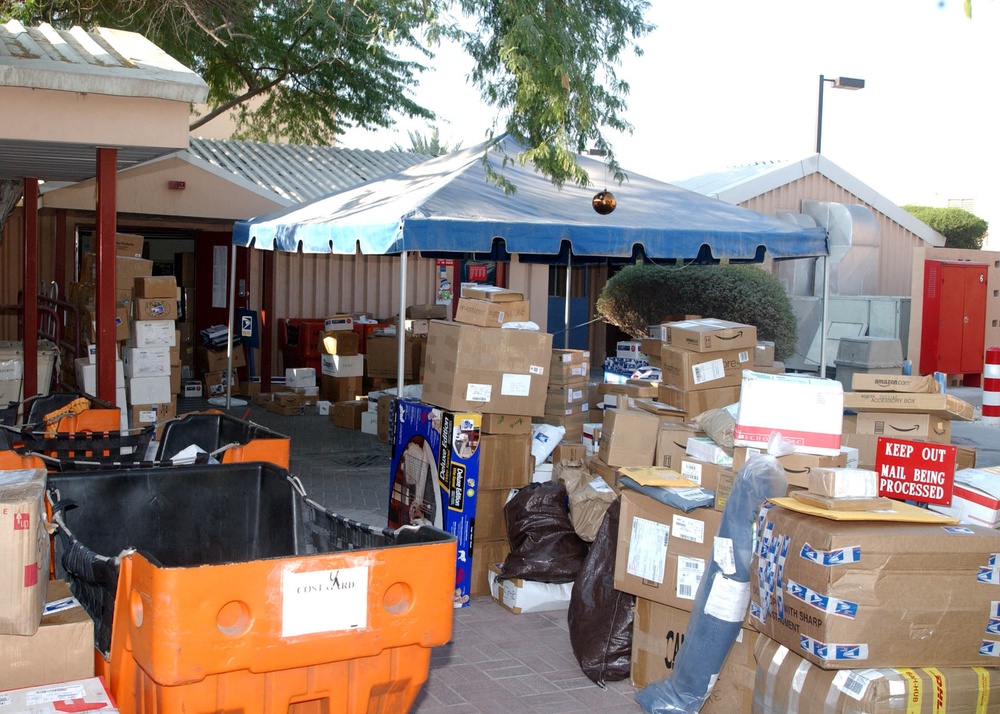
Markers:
<point>838,83</point>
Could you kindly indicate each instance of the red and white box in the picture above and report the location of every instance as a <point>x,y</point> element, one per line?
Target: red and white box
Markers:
<point>975,498</point>
<point>807,411</point>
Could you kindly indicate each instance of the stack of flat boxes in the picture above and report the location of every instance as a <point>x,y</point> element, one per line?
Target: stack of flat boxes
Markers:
<point>490,382</point>
<point>567,400</point>
<point>342,366</point>
<point>150,357</point>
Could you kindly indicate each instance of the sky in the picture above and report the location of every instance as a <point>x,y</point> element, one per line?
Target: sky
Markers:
<point>730,82</point>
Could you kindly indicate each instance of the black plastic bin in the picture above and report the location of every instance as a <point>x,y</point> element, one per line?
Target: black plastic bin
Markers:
<point>190,516</point>
<point>210,432</point>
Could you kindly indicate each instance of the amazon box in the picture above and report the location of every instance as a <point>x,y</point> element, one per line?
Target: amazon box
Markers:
<point>663,552</point>
<point>943,406</point>
<point>657,635</point>
<point>856,594</point>
<point>797,466</point>
<point>711,335</point>
<point>923,384</point>
<point>671,443</point>
<point>477,368</point>
<point>905,425</point>
<point>692,371</point>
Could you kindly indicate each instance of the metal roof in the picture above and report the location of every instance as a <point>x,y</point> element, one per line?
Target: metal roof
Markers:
<point>741,183</point>
<point>104,61</point>
<point>300,173</point>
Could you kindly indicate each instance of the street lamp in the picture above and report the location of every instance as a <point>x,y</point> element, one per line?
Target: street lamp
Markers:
<point>838,83</point>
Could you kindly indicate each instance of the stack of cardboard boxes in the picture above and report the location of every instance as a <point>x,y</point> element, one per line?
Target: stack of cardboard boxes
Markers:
<point>151,356</point>
<point>567,400</point>
<point>341,363</point>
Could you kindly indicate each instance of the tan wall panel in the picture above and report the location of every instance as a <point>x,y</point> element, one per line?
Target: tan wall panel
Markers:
<point>12,263</point>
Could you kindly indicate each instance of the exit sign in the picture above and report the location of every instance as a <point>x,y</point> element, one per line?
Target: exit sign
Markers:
<point>915,470</point>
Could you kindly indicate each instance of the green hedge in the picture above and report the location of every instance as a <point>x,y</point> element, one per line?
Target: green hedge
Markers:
<point>643,294</point>
<point>960,228</point>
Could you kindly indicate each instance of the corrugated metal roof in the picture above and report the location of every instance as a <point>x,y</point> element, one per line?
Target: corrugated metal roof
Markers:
<point>714,183</point>
<point>104,61</point>
<point>301,173</point>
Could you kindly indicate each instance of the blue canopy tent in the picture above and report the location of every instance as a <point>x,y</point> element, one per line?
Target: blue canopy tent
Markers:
<point>447,205</point>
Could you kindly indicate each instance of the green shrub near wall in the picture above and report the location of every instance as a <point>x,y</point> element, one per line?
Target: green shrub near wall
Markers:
<point>643,294</point>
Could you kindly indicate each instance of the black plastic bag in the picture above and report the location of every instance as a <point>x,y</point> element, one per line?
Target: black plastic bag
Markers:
<point>543,545</point>
<point>600,617</point>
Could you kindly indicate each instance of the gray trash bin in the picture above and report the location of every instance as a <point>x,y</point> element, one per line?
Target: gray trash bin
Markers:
<point>867,355</point>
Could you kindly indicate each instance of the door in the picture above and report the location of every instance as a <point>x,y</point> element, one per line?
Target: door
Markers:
<point>213,251</point>
<point>954,321</point>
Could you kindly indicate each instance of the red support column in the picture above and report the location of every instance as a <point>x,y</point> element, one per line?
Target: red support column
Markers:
<point>266,310</point>
<point>30,289</point>
<point>107,167</point>
<point>62,279</point>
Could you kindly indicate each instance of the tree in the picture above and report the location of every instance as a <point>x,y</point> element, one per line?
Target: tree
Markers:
<point>318,68</point>
<point>420,144</point>
<point>960,228</point>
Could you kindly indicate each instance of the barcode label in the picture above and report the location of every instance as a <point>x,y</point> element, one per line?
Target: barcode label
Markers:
<point>689,574</point>
<point>708,371</point>
<point>854,683</point>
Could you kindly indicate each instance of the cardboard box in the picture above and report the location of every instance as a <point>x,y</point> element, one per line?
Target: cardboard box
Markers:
<point>160,286</point>
<point>723,488</point>
<point>343,343</point>
<point>184,269</point>
<point>24,551</point>
<point>944,406</point>
<point>711,335</point>
<point>569,451</point>
<point>569,366</point>
<point>128,269</point>
<point>877,594</point>
<point>903,425</point>
<point>694,403</point>
<point>498,371</point>
<point>484,554</point>
<point>382,356</point>
<point>62,648</point>
<point>215,383</point>
<point>81,695</point>
<point>141,415</point>
<point>628,438</point>
<point>634,389</point>
<point>526,596</point>
<point>338,322</point>
<point>491,314</point>
<point>663,552</point>
<point>864,382</point>
<point>809,412</point>
<point>504,461</point>
<point>347,415</point>
<point>692,371</point>
<point>155,308</point>
<point>786,682</point>
<point>128,245</point>
<point>384,417</point>
<point>435,477</point>
<point>703,473</point>
<point>146,361</point>
<point>491,293</point>
<point>671,443</point>
<point>216,360</point>
<point>490,521</point>
<point>339,389</point>
<point>763,354</point>
<point>427,312</point>
<point>300,377</point>
<point>342,366</point>
<point>86,375</point>
<point>150,390</point>
<point>657,635</point>
<point>153,333</point>
<point>797,466</point>
<point>975,498</point>
<point>506,424</point>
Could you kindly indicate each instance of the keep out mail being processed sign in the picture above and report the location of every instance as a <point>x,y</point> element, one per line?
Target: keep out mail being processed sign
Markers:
<point>915,470</point>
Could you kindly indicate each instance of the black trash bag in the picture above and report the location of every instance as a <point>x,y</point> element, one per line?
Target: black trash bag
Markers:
<point>543,545</point>
<point>600,617</point>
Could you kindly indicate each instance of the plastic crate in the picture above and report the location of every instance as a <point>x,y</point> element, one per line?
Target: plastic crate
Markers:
<point>243,441</point>
<point>235,592</point>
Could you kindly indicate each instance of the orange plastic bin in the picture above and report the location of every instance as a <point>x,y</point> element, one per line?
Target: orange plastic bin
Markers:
<point>299,610</point>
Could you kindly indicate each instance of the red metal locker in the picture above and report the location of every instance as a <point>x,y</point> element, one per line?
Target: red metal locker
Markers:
<point>953,332</point>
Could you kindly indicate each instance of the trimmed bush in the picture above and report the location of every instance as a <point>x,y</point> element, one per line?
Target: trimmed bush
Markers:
<point>643,294</point>
<point>960,228</point>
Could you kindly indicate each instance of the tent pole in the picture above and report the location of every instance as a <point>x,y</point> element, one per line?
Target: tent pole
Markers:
<point>826,316</point>
<point>401,326</point>
<point>229,338</point>
<point>569,271</point>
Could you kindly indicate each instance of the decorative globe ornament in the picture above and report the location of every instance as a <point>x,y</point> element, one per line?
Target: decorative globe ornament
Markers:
<point>604,202</point>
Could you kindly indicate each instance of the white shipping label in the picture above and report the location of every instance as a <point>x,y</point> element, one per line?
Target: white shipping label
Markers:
<point>708,371</point>
<point>535,369</point>
<point>689,574</point>
<point>58,693</point>
<point>515,385</point>
<point>854,682</point>
<point>688,529</point>
<point>691,470</point>
<point>724,555</point>
<point>324,601</point>
<point>147,416</point>
<point>647,549</point>
<point>728,599</point>
<point>575,395</point>
<point>478,392</point>
<point>599,485</point>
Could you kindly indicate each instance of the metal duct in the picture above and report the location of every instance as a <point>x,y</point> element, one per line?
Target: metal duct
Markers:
<point>853,240</point>
<point>799,276</point>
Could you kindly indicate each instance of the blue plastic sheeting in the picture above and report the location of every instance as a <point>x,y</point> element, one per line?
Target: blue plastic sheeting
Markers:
<point>448,205</point>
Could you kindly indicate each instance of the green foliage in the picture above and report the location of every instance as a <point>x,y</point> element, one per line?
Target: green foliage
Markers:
<point>315,69</point>
<point>430,145</point>
<point>643,294</point>
<point>961,228</point>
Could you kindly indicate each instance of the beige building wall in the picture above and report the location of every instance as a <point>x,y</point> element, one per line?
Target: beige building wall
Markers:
<point>896,244</point>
